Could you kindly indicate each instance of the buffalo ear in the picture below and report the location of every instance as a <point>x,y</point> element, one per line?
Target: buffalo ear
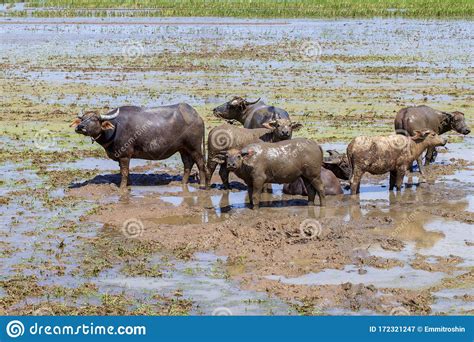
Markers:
<point>107,125</point>
<point>420,135</point>
<point>76,122</point>
<point>296,126</point>
<point>219,158</point>
<point>267,125</point>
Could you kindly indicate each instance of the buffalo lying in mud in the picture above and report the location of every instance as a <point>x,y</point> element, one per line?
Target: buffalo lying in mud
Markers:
<point>411,119</point>
<point>226,137</point>
<point>281,162</point>
<point>393,153</point>
<point>335,166</point>
<point>250,114</point>
<point>148,133</point>
<point>331,184</point>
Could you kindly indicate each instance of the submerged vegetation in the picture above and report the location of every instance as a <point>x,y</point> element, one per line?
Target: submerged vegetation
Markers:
<point>254,9</point>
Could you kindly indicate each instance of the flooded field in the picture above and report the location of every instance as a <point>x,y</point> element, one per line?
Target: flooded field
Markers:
<point>72,243</point>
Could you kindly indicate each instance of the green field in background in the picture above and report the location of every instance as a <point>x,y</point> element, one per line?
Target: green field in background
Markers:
<point>257,8</point>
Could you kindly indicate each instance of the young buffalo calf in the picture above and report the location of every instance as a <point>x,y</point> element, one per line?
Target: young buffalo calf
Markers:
<point>225,137</point>
<point>281,162</point>
<point>394,153</point>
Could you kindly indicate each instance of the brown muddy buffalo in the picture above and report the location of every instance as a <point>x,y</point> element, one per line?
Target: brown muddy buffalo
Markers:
<point>226,137</point>
<point>281,162</point>
<point>393,153</point>
<point>411,119</point>
<point>250,114</point>
<point>331,184</point>
<point>148,133</point>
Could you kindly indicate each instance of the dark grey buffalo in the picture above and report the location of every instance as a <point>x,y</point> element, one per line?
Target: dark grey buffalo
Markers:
<point>338,164</point>
<point>250,114</point>
<point>331,184</point>
<point>148,133</point>
<point>411,119</point>
<point>225,137</point>
<point>281,162</point>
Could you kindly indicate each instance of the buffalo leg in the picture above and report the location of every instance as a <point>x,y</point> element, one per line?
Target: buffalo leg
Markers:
<point>355,180</point>
<point>399,179</point>
<point>211,167</point>
<point>199,160</point>
<point>188,163</point>
<point>316,186</point>
<point>124,164</point>
<point>430,155</point>
<point>250,193</point>
<point>393,179</point>
<point>257,188</point>
<point>224,173</point>
<point>310,190</point>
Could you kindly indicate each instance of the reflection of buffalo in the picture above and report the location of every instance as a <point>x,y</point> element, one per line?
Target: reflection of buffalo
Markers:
<point>148,133</point>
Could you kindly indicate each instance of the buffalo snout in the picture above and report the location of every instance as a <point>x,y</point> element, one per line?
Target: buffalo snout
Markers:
<point>466,131</point>
<point>80,129</point>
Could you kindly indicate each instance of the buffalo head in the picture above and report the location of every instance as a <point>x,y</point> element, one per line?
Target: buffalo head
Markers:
<point>233,158</point>
<point>430,137</point>
<point>282,128</point>
<point>458,123</point>
<point>93,124</point>
<point>232,109</point>
<point>338,164</point>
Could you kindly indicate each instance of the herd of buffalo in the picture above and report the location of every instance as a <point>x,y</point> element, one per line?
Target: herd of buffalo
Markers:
<point>263,151</point>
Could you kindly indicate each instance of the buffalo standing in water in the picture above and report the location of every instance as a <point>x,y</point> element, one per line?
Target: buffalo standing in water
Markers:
<point>411,119</point>
<point>148,133</point>
<point>250,114</point>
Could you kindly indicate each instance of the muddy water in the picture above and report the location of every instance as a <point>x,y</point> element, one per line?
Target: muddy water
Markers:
<point>429,236</point>
<point>203,281</point>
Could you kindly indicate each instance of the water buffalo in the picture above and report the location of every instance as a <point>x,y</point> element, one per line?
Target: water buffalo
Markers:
<point>227,136</point>
<point>410,119</point>
<point>281,162</point>
<point>338,164</point>
<point>148,133</point>
<point>250,114</point>
<point>393,153</point>
<point>331,184</point>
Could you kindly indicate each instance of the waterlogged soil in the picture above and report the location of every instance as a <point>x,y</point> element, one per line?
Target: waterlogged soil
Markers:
<point>72,243</point>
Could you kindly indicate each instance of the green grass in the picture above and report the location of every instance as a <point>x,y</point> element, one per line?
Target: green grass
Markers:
<point>264,8</point>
